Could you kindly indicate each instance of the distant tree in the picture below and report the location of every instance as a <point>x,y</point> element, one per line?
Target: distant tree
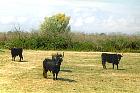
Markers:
<point>102,34</point>
<point>58,23</point>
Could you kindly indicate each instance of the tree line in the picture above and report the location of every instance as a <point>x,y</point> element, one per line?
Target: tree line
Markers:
<point>55,34</point>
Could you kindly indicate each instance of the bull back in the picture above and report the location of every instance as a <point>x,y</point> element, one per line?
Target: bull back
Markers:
<point>16,52</point>
<point>110,58</point>
<point>53,65</point>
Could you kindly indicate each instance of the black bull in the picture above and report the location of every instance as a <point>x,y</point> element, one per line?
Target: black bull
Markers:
<point>52,65</point>
<point>16,52</point>
<point>110,58</point>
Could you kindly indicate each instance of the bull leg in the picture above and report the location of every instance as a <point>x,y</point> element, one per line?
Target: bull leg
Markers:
<point>45,73</point>
<point>103,63</point>
<point>117,66</point>
<point>21,57</point>
<point>56,75</point>
<point>53,76</point>
<point>104,66</point>
<point>113,65</point>
<point>13,58</point>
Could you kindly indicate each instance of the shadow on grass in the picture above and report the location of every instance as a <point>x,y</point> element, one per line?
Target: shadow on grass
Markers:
<point>68,80</point>
<point>23,61</point>
<point>121,69</point>
<point>114,69</point>
<point>66,70</point>
<point>20,61</point>
<point>61,79</point>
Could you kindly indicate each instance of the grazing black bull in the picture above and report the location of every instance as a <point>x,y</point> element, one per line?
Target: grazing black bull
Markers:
<point>110,58</point>
<point>53,65</point>
<point>16,52</point>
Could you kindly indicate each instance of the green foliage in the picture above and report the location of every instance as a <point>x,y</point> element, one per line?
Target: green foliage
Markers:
<point>39,42</point>
<point>2,43</point>
<point>58,23</point>
<point>83,46</point>
<point>67,41</point>
<point>119,44</point>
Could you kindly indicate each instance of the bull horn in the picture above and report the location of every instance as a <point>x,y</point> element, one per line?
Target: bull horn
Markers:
<point>122,53</point>
<point>63,54</point>
<point>57,53</point>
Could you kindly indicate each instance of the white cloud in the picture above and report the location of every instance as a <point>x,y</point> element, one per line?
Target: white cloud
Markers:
<point>12,19</point>
<point>78,22</point>
<point>77,10</point>
<point>88,14</point>
<point>89,20</point>
<point>21,19</point>
<point>120,24</point>
<point>110,22</point>
<point>7,19</point>
<point>123,22</point>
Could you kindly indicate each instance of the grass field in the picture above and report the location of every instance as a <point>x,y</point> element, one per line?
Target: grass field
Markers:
<point>81,72</point>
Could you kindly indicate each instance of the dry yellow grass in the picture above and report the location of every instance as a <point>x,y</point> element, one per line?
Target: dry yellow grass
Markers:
<point>81,72</point>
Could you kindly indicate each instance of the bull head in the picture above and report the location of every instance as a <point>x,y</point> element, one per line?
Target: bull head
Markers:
<point>59,54</point>
<point>120,54</point>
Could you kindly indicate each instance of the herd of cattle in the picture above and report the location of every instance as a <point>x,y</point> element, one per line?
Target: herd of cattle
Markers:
<point>53,64</point>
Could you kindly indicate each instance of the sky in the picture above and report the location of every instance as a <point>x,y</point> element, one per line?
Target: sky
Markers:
<point>88,16</point>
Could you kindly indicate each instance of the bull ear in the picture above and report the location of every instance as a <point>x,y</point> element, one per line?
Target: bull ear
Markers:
<point>53,55</point>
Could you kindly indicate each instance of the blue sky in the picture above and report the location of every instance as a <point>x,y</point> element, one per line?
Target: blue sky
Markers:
<point>89,16</point>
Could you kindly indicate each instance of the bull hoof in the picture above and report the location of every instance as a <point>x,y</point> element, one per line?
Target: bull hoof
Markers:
<point>44,75</point>
<point>54,79</point>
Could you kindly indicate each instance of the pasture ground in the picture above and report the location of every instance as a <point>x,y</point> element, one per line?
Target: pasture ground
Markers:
<point>81,72</point>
